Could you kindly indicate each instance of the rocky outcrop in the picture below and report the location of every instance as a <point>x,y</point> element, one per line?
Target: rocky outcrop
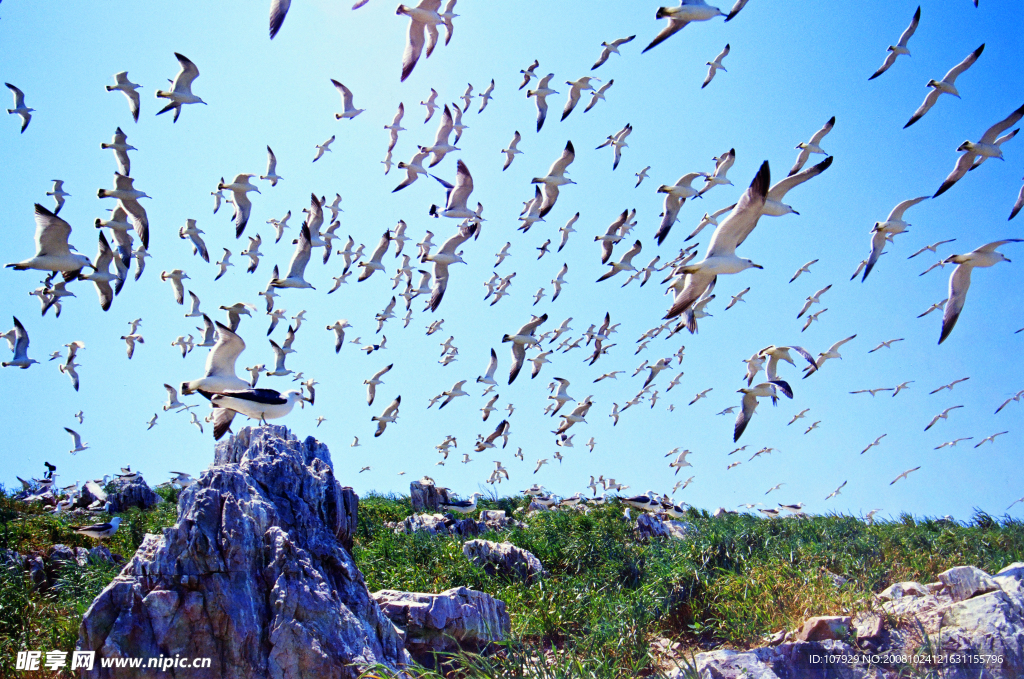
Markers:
<point>503,557</point>
<point>651,526</point>
<point>254,575</point>
<point>456,619</point>
<point>131,493</point>
<point>972,620</point>
<point>427,497</point>
<point>91,493</point>
<point>446,524</point>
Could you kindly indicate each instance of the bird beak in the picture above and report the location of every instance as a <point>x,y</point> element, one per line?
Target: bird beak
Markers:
<point>757,266</point>
<point>796,213</point>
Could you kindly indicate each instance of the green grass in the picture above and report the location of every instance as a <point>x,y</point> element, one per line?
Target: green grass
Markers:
<point>607,595</point>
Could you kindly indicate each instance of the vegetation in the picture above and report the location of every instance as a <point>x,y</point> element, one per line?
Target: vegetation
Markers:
<point>608,594</point>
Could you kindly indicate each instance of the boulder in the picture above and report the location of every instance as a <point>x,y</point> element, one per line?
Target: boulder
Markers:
<point>789,660</point>
<point>255,574</point>
<point>902,589</point>
<point>964,582</point>
<point>988,624</point>
<point>869,626</point>
<point>651,526</point>
<point>456,619</point>
<point>131,493</point>
<point>427,497</point>
<point>91,492</point>
<point>825,627</point>
<point>101,554</point>
<point>503,557</point>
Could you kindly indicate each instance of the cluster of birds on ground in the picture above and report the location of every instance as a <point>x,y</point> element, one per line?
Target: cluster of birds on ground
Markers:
<point>690,280</point>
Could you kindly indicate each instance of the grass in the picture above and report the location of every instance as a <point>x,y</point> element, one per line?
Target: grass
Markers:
<point>607,597</point>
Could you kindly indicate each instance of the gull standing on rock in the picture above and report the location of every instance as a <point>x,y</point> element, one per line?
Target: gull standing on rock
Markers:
<point>181,88</point>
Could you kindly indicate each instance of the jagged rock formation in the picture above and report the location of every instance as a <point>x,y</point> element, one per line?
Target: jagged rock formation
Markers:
<point>455,619</point>
<point>254,575</point>
<point>503,557</point>
<point>132,493</point>
<point>426,497</point>
<point>974,621</point>
<point>446,524</point>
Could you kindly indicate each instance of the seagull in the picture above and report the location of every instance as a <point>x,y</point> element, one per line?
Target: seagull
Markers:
<point>523,338</point>
<point>239,187</point>
<point>715,66</point>
<point>882,231</point>
<point>949,386</point>
<point>424,19</point>
<point>257,404</point>
<point>541,95</point>
<point>443,259</point>
<point>814,299</point>
<point>128,199</point>
<point>872,391</point>
<point>52,250</point>
<point>749,403</point>
<point>19,346</point>
<point>58,194</point>
<point>986,147</point>
<point>931,248</point>
<point>389,415</point>
<point>699,396</point>
<point>19,106</point>
<point>413,169</point>
<point>511,151</point>
<point>346,99</point>
<point>485,96</point>
<point>904,475</point>
<point>721,254</point>
<point>774,207</point>
<point>321,149</point>
<point>458,194</point>
<point>1016,397</point>
<point>641,175</point>
<point>99,531</point>
<point>625,263</point>
<point>902,386</point>
<point>339,333</point>
<point>678,17</point>
<point>101,276</point>
<point>680,461</point>
<point>492,365</point>
<point>576,89</point>
<point>775,487</point>
<point>944,86</point>
<point>873,443</point>
<point>235,313</point>
<point>119,144</point>
<point>798,416</point>
<point>990,439</point>
<point>598,95</point>
<point>529,73</point>
<point>271,175</point>
<point>721,168</point>
<point>297,267</point>
<point>675,196</point>
<point>127,87</point>
<point>941,416</point>
<point>806,149</point>
<point>900,47</point>
<point>181,88</point>
<point>811,318</point>
<point>609,49</point>
<point>1018,204</point>
<point>151,422</point>
<point>959,282</point>
<point>130,341</point>
<point>951,444</point>
<point>191,232</point>
<point>886,344</point>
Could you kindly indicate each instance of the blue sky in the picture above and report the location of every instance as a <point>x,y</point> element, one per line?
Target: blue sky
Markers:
<point>791,67</point>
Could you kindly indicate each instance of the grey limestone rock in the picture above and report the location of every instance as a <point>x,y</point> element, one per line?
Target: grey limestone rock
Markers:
<point>254,575</point>
<point>131,493</point>
<point>455,619</point>
<point>426,497</point>
<point>503,557</point>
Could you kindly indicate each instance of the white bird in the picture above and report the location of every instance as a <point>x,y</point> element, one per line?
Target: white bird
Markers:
<point>99,531</point>
<point>239,187</point>
<point>609,49</point>
<point>346,99</point>
<point>749,404</point>
<point>812,146</point>
<point>598,95</point>
<point>555,178</point>
<point>512,151</point>
<point>492,365</point>
<point>944,415</point>
<point>831,352</point>
<point>371,384</point>
<point>413,169</point>
<point>424,19</point>
<point>900,47</point>
<point>944,86</point>
<point>625,263</point>
<point>181,88</point>
<point>960,281</point>
<point>52,250</point>
<point>813,299</point>
<point>523,338</point>
<point>321,149</point>
<point>58,194</point>
<point>458,194</point>
<point>128,199</point>
<point>127,87</point>
<point>389,415</point>
<point>904,475</point>
<point>119,144</point>
<point>722,165</point>
<point>257,404</point>
<point>675,196</point>
<point>882,231</point>
<point>990,439</point>
<point>271,175</point>
<point>576,88</point>
<point>442,259</point>
<point>192,233</point>
<point>19,106</point>
<point>986,147</point>
<point>19,345</point>
<point>297,266</point>
<point>339,333</point>
<point>678,17</point>
<point>1017,205</point>
<point>541,95</point>
<point>715,66</point>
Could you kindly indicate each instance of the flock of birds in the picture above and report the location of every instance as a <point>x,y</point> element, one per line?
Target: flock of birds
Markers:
<point>426,273</point>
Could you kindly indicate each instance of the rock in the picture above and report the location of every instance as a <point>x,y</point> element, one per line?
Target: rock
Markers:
<point>869,626</point>
<point>432,524</point>
<point>131,493</point>
<point>427,498</point>
<point>58,555</point>
<point>825,627</point>
<point>729,664</point>
<point>36,571</point>
<point>91,492</point>
<point>447,524</point>
<point>988,624</point>
<point>649,525</point>
<point>902,589</point>
<point>964,582</point>
<point>254,574</point>
<point>10,558</point>
<point>1011,579</point>
<point>101,554</point>
<point>456,619</point>
<point>503,557</point>
<point>785,661</point>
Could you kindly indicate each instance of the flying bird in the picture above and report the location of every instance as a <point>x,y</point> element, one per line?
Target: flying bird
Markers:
<point>944,86</point>
<point>678,17</point>
<point>19,106</point>
<point>715,66</point>
<point>181,89</point>
<point>960,280</point>
<point>128,88</point>
<point>900,47</point>
<point>609,49</point>
<point>987,147</point>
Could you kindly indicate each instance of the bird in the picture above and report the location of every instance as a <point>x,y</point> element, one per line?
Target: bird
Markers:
<point>882,231</point>
<point>960,280</point>
<point>119,144</point>
<point>239,187</point>
<point>339,333</point>
<point>413,169</point>
<point>19,107</point>
<point>873,443</point>
<point>541,96</point>
<point>257,404</point>
<point>990,439</point>
<point>271,175</point>
<point>944,86</point>
<point>523,338</point>
<point>941,416</point>
<point>900,47</point>
<point>598,95</point>
<point>576,88</point>
<point>99,531</point>
<point>20,347</point>
<point>321,149</point>
<point>442,259</point>
<point>371,384</point>
<point>812,146</point>
<point>749,405</point>
<point>609,49</point>
<point>798,416</point>
<point>192,233</point>
<point>887,344</point>
<point>901,386</point>
<point>297,266</point>
<point>675,196</point>
<point>528,73</point>
<point>904,475</point>
<point>1017,205</point>
<point>485,96</point>
<point>512,150</point>
<point>715,66</point>
<point>932,247</point>
<point>458,194</point>
<point>872,391</point>
<point>346,99</point>
<point>52,250</point>
<point>389,415</point>
<point>128,88</point>
<point>641,175</point>
<point>679,17</point>
<point>832,352</point>
<point>986,147</point>
<point>813,299</point>
<point>181,89</point>
<point>58,194</point>
<point>952,444</point>
<point>949,386</point>
<point>718,178</point>
<point>423,21</point>
<point>625,263</point>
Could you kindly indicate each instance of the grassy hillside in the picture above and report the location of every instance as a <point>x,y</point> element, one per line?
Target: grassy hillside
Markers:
<point>608,595</point>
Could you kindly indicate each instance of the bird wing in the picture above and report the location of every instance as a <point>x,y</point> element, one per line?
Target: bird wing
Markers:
<point>278,11</point>
<point>413,47</point>
<point>262,396</point>
<point>570,103</point>
<point>735,228</point>
<point>458,196</point>
<point>19,96</point>
<point>673,27</point>
<point>994,131</point>
<point>825,129</point>
<point>909,32</point>
<point>963,164</point>
<point>301,256</point>
<point>52,233</point>
<point>221,360</point>
<point>890,59</point>
<point>779,189</point>
<point>926,105</point>
<point>382,247</point>
<point>959,283</point>
<point>897,212</point>
<point>444,129</point>
<point>1018,205</point>
<point>518,357</point>
<point>188,73</point>
<point>530,326</point>
<point>559,166</point>
<point>952,74</point>
<point>991,247</point>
